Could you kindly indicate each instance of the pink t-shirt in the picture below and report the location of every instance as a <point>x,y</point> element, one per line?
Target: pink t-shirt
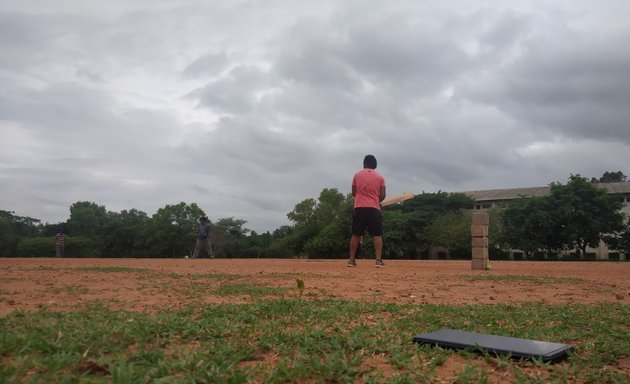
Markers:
<point>368,183</point>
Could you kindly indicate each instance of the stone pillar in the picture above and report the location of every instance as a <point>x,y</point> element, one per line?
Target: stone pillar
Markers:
<point>479,232</point>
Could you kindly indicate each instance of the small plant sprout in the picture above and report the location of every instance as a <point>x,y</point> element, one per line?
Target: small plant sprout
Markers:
<point>300,286</point>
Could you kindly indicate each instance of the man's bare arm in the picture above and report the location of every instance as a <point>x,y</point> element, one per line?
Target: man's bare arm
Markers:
<point>382,193</point>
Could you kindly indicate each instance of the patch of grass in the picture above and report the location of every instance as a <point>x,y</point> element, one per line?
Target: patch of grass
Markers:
<point>247,289</point>
<point>110,269</point>
<point>526,278</point>
<point>71,289</point>
<point>304,341</point>
<point>216,276</point>
<point>7,292</point>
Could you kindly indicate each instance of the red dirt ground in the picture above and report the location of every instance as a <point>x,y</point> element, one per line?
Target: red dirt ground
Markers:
<point>149,284</point>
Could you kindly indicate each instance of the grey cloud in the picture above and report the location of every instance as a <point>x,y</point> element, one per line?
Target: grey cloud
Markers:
<point>210,64</point>
<point>402,56</point>
<point>250,146</point>
<point>23,39</point>
<point>248,108</point>
<point>234,93</point>
<point>577,88</point>
<point>90,75</point>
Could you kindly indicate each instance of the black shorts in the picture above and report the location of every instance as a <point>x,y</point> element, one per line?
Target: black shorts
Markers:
<point>367,218</point>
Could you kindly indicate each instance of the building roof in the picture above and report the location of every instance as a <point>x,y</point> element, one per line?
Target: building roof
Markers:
<point>515,193</point>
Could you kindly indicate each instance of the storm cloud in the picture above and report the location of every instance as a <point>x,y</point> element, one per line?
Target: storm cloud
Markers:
<point>248,107</point>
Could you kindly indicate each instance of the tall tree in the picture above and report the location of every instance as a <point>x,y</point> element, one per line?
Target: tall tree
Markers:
<point>8,239</point>
<point>303,213</point>
<point>87,219</point>
<point>610,177</point>
<point>322,226</point>
<point>451,230</point>
<point>172,230</point>
<point>20,225</point>
<point>584,213</point>
<point>395,235</point>
<point>529,224</point>
<point>421,211</point>
<point>124,234</point>
<point>228,237</point>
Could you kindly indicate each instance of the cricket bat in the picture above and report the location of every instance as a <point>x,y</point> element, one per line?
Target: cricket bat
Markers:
<point>397,199</point>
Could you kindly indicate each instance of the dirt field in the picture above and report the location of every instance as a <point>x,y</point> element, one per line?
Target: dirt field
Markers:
<point>150,284</point>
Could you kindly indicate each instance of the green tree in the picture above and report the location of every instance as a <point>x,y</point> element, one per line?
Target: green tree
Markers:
<point>610,177</point>
<point>228,237</point>
<point>8,239</point>
<point>172,230</point>
<point>20,225</point>
<point>330,242</point>
<point>529,224</point>
<point>257,245</point>
<point>12,229</point>
<point>321,227</point>
<point>497,244</point>
<point>280,246</point>
<point>620,240</point>
<point>333,219</point>
<point>330,205</point>
<point>125,234</point>
<point>396,232</point>
<point>584,213</point>
<point>420,212</point>
<point>43,246</point>
<point>451,230</point>
<point>304,213</point>
<point>87,219</point>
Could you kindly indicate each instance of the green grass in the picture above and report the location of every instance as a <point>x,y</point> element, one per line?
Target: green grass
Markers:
<point>70,289</point>
<point>215,276</point>
<point>292,340</point>
<point>253,290</point>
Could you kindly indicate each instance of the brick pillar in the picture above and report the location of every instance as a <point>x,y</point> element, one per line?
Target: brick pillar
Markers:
<point>479,232</point>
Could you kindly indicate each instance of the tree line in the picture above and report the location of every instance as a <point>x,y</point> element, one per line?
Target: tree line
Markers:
<point>574,216</point>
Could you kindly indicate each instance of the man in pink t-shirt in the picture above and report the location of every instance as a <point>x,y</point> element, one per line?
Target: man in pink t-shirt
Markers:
<point>368,189</point>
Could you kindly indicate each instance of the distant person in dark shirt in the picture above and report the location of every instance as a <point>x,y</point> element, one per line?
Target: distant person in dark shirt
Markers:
<point>203,239</point>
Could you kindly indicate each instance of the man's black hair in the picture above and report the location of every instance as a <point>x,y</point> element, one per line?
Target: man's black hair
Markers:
<point>369,162</point>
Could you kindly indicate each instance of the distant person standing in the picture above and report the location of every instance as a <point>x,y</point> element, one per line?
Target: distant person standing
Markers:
<point>60,243</point>
<point>368,189</point>
<point>203,239</point>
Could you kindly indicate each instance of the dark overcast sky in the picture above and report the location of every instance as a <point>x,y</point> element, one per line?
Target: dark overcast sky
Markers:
<point>248,107</point>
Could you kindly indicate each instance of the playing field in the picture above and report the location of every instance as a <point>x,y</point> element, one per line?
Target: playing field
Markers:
<point>246,320</point>
<point>148,284</point>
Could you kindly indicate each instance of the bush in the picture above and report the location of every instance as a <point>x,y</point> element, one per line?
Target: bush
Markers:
<point>280,249</point>
<point>45,247</point>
